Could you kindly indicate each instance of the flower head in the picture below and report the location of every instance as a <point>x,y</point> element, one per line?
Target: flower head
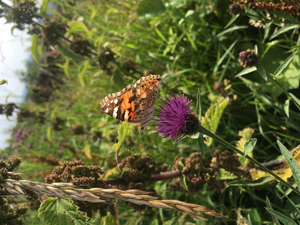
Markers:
<point>248,58</point>
<point>173,117</point>
<point>29,146</point>
<point>43,138</point>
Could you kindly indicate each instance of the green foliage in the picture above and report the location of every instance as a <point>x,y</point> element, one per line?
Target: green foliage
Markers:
<point>61,212</point>
<point>122,133</point>
<point>213,116</point>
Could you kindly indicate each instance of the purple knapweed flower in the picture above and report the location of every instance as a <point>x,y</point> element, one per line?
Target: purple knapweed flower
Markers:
<point>20,142</point>
<point>43,138</point>
<point>173,117</point>
<point>49,146</point>
<point>84,136</point>
<point>16,150</point>
<point>68,105</point>
<point>23,134</point>
<point>29,146</point>
<point>28,131</point>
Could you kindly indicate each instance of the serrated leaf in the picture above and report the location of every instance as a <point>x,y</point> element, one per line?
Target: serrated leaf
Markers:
<point>66,67</point>
<point>296,100</point>
<point>33,48</point>
<point>83,73</point>
<point>69,53</point>
<point>87,150</point>
<point>44,7</point>
<point>261,70</point>
<point>294,166</point>
<point>284,64</point>
<point>287,107</point>
<point>283,218</point>
<point>108,219</point>
<point>249,146</point>
<point>61,212</point>
<point>284,29</point>
<point>225,175</point>
<point>246,71</point>
<point>212,117</point>
<point>122,133</point>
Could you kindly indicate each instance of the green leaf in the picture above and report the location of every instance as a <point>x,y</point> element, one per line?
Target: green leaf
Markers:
<point>249,146</point>
<point>49,134</point>
<point>294,166</point>
<point>118,79</point>
<point>225,175</point>
<point>150,7</point>
<point>40,49</point>
<point>69,53</point>
<point>284,29</point>
<point>191,41</point>
<point>122,133</point>
<point>108,219</point>
<point>83,73</point>
<point>296,100</point>
<point>3,82</point>
<point>201,144</point>
<point>198,104</point>
<point>61,212</point>
<point>33,48</point>
<point>242,182</point>
<point>262,72</point>
<point>256,49</point>
<point>267,30</point>
<point>246,71</point>
<point>44,7</point>
<point>212,117</point>
<point>232,20</point>
<point>287,107</point>
<point>270,206</point>
<point>283,218</point>
<point>183,182</point>
<point>87,150</point>
<point>161,35</point>
<point>66,67</point>
<point>284,64</point>
<point>230,30</point>
<point>181,166</point>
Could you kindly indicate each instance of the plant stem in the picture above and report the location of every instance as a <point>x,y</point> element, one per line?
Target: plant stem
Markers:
<point>220,140</point>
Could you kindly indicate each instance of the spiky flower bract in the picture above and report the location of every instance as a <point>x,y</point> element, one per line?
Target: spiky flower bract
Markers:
<point>173,117</point>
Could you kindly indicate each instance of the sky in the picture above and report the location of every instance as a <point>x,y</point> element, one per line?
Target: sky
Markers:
<point>14,51</point>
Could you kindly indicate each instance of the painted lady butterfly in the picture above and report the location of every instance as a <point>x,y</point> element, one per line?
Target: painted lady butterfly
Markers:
<point>134,103</point>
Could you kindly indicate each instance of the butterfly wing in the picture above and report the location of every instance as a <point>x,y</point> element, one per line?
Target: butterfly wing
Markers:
<point>134,103</point>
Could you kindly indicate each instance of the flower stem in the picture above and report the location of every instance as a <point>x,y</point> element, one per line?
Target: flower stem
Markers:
<point>220,140</point>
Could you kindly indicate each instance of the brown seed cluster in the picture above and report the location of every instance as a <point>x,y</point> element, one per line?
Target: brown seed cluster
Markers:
<point>81,46</point>
<point>290,7</point>
<point>138,169</point>
<point>248,58</point>
<point>235,9</point>
<point>53,31</point>
<point>198,171</point>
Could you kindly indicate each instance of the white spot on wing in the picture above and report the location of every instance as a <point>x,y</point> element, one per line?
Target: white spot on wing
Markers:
<point>116,101</point>
<point>106,110</point>
<point>115,112</point>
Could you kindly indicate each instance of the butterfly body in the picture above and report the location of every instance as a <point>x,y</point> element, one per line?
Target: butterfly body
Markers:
<point>134,103</point>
